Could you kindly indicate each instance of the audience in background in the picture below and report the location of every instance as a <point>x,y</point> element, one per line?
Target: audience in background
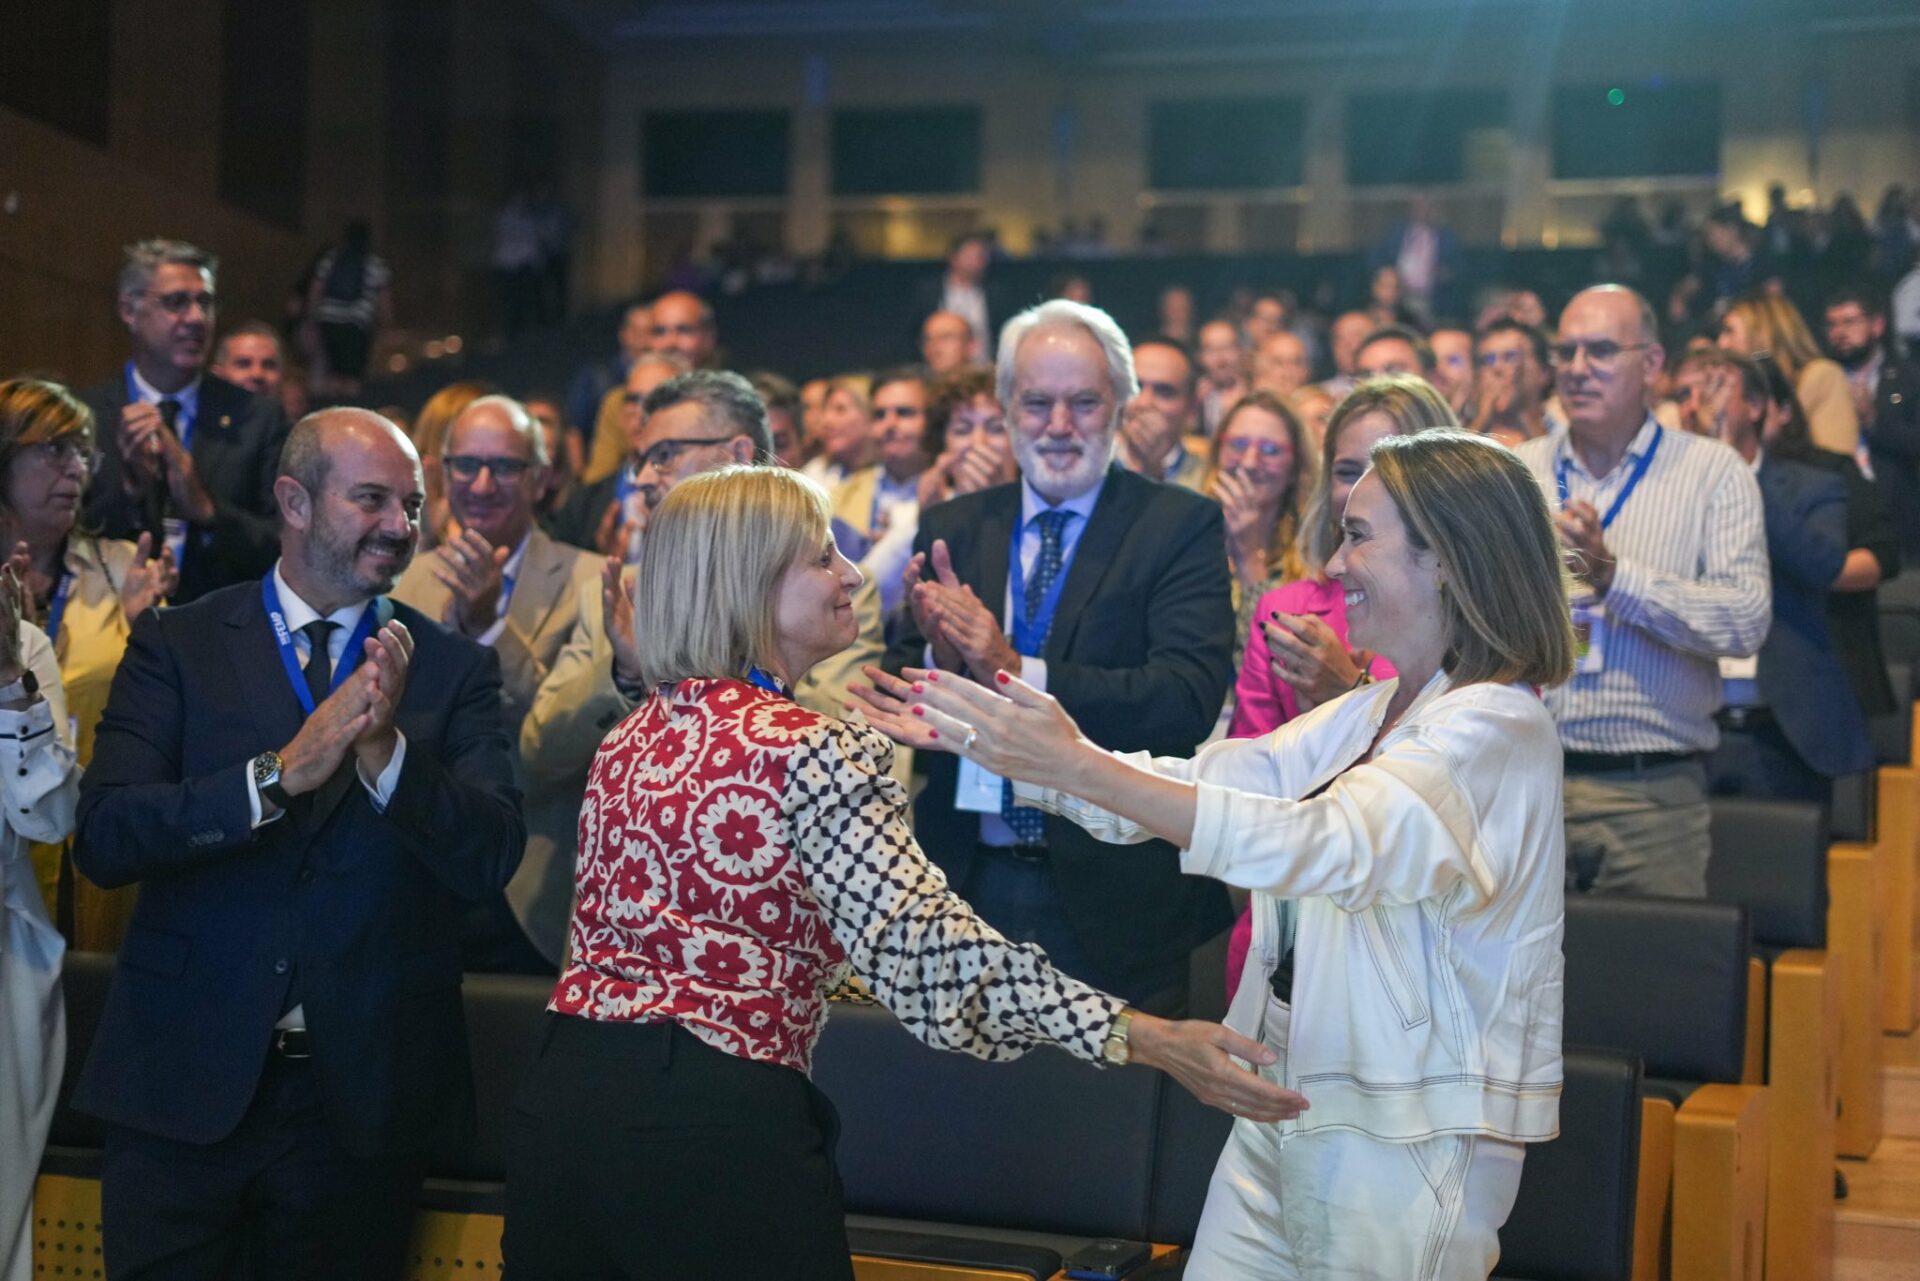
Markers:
<point>782,400</point>
<point>1347,332</point>
<point>1312,405</point>
<point>1160,416</point>
<point>429,436</point>
<point>1258,469</point>
<point>946,342</point>
<point>594,379</point>
<point>1425,258</point>
<point>1789,721</point>
<point>250,357</point>
<point>1513,376</point>
<point>1223,373</point>
<point>503,582</point>
<point>683,325</point>
<point>1668,545</point>
<point>1885,388</point>
<point>1109,592</point>
<point>187,457</point>
<point>1767,324</point>
<point>601,517</point>
<point>82,592</point>
<point>846,432</point>
<point>563,449</point>
<point>1452,373</point>
<point>877,509</point>
<point>967,437</point>
<point>619,418</point>
<point>1395,349</point>
<point>1873,546</point>
<point>963,291</point>
<point>1176,316</point>
<point>349,300</point>
<point>1282,364</point>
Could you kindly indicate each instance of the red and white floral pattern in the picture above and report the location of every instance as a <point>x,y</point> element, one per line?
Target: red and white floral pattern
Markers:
<point>738,851</point>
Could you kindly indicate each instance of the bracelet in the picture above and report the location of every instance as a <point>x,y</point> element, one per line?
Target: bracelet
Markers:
<point>1365,678</point>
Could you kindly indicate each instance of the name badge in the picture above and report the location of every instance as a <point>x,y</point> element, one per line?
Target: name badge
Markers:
<point>1740,669</point>
<point>1590,637</point>
<point>976,790</point>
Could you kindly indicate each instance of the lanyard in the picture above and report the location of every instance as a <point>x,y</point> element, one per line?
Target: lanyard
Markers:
<point>349,657</point>
<point>58,605</point>
<point>1626,491</point>
<point>183,421</point>
<point>769,683</point>
<point>1030,634</point>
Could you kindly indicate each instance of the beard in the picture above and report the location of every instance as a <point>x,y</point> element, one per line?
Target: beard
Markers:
<point>333,555</point>
<point>1063,475</point>
<point>1854,357</point>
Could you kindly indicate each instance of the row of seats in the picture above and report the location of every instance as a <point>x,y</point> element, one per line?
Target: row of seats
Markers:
<point>952,1167</point>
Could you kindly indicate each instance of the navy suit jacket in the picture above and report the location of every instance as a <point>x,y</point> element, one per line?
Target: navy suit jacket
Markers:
<point>363,907</point>
<point>1893,445</point>
<point>1141,655</point>
<point>1801,676</point>
<point>235,443</point>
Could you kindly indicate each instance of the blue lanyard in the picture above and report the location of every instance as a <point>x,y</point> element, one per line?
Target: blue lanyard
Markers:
<point>623,487</point>
<point>57,607</point>
<point>289,659</point>
<point>1626,491</point>
<point>769,683</point>
<point>182,423</point>
<point>1030,634</point>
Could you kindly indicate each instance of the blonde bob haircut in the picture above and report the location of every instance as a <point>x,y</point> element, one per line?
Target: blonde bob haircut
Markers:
<point>710,569</point>
<point>1502,580</point>
<point>1413,406</point>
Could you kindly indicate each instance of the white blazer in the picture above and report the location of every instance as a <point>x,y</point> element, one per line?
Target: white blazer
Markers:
<point>1427,889</point>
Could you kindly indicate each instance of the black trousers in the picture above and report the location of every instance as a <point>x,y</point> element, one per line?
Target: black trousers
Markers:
<point>277,1199</point>
<point>638,1150</point>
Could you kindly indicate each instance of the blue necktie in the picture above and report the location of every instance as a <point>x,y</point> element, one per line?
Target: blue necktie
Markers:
<point>1030,825</point>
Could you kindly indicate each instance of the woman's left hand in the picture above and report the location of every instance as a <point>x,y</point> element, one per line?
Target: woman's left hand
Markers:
<point>1014,730</point>
<point>150,579</point>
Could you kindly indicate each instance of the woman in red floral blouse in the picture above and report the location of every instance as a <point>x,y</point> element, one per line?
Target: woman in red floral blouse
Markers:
<point>739,856</point>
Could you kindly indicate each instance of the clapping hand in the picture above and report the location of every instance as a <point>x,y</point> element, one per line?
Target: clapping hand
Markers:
<point>1246,539</point>
<point>13,608</point>
<point>389,654</point>
<point>150,579</point>
<point>474,572</point>
<point>948,611</point>
<point>1582,534</point>
<point>616,607</point>
<point>1306,654</point>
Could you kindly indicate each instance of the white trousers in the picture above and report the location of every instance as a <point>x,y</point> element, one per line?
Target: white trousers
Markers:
<point>1333,1205</point>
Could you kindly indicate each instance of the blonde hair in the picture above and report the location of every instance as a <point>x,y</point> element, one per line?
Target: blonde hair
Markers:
<point>1504,584</point>
<point>1412,404</point>
<point>36,412</point>
<point>431,424</point>
<point>1282,553</point>
<point>710,569</point>
<point>1777,329</point>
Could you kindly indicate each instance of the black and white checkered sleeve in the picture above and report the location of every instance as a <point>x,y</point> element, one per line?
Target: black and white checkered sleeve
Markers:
<point>950,978</point>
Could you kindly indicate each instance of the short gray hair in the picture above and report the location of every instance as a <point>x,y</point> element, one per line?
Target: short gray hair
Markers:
<point>721,394</point>
<point>148,256</point>
<point>1058,313</point>
<point>517,416</point>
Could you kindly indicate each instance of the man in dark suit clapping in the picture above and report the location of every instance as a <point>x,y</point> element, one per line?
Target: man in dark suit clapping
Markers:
<point>1109,591</point>
<point>308,782</point>
<point>186,455</point>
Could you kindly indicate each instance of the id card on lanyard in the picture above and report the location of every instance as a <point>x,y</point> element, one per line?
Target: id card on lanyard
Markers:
<point>290,659</point>
<point>977,789</point>
<point>1589,613</point>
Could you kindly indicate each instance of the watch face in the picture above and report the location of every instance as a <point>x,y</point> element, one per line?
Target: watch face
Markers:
<point>266,768</point>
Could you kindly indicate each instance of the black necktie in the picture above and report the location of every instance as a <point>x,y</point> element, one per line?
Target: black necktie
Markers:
<point>319,668</point>
<point>169,412</point>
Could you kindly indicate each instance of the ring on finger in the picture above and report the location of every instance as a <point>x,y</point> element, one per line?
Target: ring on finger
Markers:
<point>966,744</point>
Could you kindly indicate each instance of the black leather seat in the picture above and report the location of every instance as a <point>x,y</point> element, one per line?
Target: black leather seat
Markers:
<point>506,1017</point>
<point>1662,978</point>
<point>1770,857</point>
<point>1573,1219</point>
<point>74,1140</point>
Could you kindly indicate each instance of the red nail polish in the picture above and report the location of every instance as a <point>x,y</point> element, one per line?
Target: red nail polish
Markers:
<point>1003,678</point>
<point>933,733</point>
<point>919,711</point>
<point>933,676</point>
<point>918,688</point>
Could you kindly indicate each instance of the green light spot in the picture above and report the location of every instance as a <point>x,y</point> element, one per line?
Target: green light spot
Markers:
<point>1615,97</point>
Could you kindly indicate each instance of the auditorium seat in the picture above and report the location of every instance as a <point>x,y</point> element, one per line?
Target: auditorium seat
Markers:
<point>1771,858</point>
<point>1667,979</point>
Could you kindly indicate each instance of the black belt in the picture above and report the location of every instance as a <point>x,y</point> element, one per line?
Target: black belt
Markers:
<point>1018,853</point>
<point>1739,718</point>
<point>292,1043</point>
<point>1618,762</point>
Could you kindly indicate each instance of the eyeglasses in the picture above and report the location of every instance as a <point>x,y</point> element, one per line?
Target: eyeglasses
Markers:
<point>1600,352</point>
<point>178,302</point>
<point>466,468</point>
<point>1267,451</point>
<point>63,454</point>
<point>661,453</point>
<point>1494,359</point>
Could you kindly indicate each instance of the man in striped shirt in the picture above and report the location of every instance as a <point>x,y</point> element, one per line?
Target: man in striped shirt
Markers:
<point>1668,546</point>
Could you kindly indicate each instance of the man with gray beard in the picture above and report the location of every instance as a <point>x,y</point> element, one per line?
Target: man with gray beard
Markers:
<point>1109,591</point>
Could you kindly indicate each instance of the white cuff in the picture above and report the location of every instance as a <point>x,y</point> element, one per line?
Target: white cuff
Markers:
<point>380,790</point>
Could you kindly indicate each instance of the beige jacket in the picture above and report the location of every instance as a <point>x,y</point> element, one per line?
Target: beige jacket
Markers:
<point>542,617</point>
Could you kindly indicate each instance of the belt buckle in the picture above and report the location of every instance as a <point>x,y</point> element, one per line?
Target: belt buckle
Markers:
<point>292,1043</point>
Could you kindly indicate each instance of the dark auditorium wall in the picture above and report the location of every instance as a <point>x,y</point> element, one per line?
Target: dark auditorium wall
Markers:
<point>177,132</point>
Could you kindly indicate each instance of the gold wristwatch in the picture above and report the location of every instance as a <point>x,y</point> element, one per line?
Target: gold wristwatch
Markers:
<point>1117,1049</point>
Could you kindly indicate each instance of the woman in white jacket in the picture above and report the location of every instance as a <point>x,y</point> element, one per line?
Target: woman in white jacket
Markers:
<point>1405,849</point>
<point>39,784</point>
